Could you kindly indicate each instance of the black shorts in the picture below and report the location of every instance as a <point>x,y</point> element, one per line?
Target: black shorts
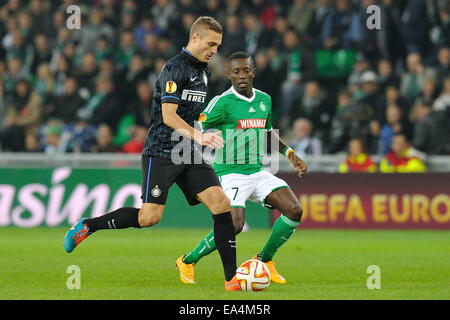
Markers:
<point>158,175</point>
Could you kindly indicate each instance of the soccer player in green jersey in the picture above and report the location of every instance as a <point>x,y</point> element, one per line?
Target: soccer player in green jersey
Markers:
<point>244,114</point>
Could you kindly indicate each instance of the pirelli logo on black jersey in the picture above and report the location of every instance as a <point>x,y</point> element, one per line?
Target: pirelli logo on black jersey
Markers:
<point>193,96</point>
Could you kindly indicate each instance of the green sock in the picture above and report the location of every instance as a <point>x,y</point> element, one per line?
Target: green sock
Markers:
<point>282,230</point>
<point>205,247</point>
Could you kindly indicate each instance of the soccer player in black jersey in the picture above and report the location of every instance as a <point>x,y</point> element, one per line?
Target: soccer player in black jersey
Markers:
<point>180,92</point>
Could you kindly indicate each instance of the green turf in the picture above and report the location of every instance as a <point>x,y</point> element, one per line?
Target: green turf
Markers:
<point>139,264</point>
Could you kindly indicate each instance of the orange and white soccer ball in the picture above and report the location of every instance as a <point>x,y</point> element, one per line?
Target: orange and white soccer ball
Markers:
<point>253,275</point>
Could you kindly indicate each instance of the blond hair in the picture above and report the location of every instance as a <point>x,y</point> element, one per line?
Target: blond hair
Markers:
<point>206,23</point>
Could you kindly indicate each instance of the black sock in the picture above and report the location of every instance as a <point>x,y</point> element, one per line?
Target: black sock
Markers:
<point>225,239</point>
<point>120,219</point>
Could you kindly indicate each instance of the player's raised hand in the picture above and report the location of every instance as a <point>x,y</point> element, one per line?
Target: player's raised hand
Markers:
<point>298,163</point>
<point>212,139</point>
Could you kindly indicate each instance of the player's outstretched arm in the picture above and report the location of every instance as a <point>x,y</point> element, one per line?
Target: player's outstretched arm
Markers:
<point>174,121</point>
<point>297,162</point>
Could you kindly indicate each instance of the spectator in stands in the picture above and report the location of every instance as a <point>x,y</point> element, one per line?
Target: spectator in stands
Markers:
<point>136,72</point>
<point>386,75</point>
<point>442,68</point>
<point>103,106</point>
<point>391,96</point>
<point>15,73</point>
<point>20,49</point>
<point>233,39</point>
<point>44,83</point>
<point>22,115</point>
<point>266,79</point>
<point>61,73</point>
<point>126,50</point>
<point>374,140</point>
<point>299,67</point>
<point>65,107</point>
<point>371,95</point>
<point>358,159</point>
<point>40,11</point>
<point>104,140</point>
<point>87,73</point>
<point>321,11</point>
<point>315,106</point>
<point>444,27</point>
<point>351,120</point>
<point>146,27</point>
<point>415,27</point>
<point>304,143</point>
<point>103,49</point>
<point>443,101</point>
<point>396,123</point>
<point>429,91</point>
<point>43,51</point>
<point>136,144</point>
<point>163,12</point>
<point>430,130</point>
<point>256,37</point>
<point>92,30</point>
<point>402,157</point>
<point>361,65</point>
<point>413,80</point>
<point>342,27</point>
<point>32,143</point>
<point>140,107</point>
<point>56,142</point>
<point>300,15</point>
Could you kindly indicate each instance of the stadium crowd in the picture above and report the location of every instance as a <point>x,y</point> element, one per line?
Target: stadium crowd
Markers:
<point>333,81</point>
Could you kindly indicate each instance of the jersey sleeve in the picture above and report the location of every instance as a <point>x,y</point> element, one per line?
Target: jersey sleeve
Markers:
<point>213,114</point>
<point>171,81</point>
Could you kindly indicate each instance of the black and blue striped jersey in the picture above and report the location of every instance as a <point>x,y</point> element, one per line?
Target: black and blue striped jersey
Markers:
<point>183,80</point>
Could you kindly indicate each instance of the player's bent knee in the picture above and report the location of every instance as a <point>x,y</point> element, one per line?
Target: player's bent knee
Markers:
<point>149,218</point>
<point>295,212</point>
<point>221,205</point>
<point>238,227</point>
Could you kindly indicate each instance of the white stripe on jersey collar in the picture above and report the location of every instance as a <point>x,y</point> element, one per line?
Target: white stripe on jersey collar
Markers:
<point>240,96</point>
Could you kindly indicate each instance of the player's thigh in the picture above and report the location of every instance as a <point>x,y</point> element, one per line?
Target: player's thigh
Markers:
<point>238,188</point>
<point>276,193</point>
<point>200,184</point>
<point>158,175</point>
<point>285,201</point>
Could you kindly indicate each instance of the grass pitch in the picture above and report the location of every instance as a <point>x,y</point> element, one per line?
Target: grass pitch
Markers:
<point>140,264</point>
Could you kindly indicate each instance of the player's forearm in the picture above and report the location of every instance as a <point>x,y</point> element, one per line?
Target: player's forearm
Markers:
<point>174,121</point>
<point>282,146</point>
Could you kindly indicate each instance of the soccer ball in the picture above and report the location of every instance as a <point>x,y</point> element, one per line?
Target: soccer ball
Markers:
<point>253,275</point>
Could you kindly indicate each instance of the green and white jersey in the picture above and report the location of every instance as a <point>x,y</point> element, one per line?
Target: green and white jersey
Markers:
<point>243,122</point>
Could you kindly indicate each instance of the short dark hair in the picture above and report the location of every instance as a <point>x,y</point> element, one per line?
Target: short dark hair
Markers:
<point>240,55</point>
<point>208,23</point>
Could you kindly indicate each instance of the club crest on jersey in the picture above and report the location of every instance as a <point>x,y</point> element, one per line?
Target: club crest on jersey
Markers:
<point>262,106</point>
<point>202,117</point>
<point>251,124</point>
<point>171,86</point>
<point>156,192</point>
